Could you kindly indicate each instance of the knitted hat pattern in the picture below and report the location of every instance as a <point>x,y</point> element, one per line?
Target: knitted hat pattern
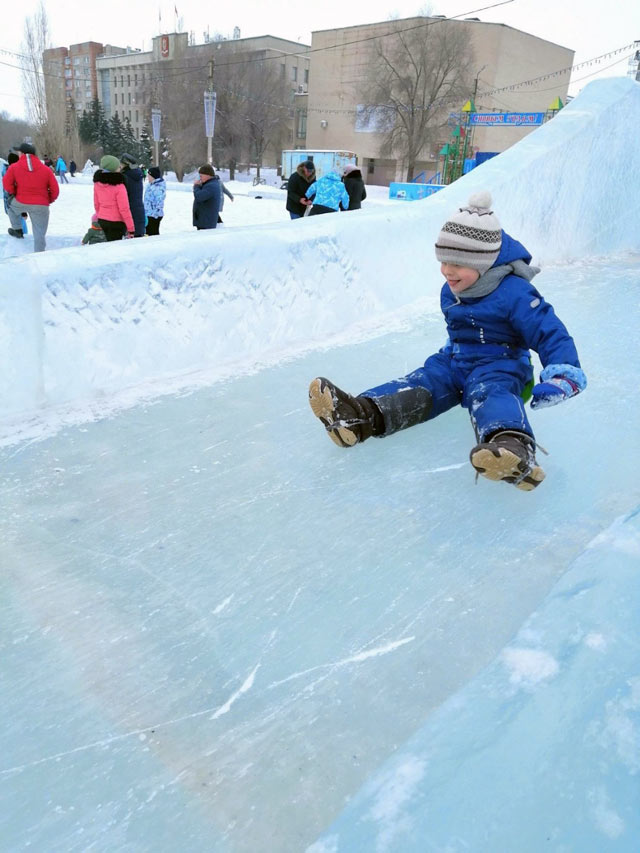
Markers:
<point>109,163</point>
<point>472,236</point>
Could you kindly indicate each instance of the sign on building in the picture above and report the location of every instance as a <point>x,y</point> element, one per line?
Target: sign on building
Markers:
<point>506,119</point>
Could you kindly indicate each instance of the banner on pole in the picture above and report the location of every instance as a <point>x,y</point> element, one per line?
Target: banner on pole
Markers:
<point>209,113</point>
<point>156,116</point>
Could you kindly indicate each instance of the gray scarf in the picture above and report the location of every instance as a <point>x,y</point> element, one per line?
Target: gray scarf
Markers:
<point>488,282</point>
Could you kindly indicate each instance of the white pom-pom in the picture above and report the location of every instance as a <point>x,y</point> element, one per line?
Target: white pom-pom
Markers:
<point>481,200</point>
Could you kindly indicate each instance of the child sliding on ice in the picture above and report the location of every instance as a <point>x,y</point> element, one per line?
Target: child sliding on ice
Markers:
<point>494,316</point>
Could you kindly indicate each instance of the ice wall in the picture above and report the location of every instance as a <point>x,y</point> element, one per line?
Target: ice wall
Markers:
<point>74,328</point>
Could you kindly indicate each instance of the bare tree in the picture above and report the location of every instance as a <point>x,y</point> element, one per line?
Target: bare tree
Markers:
<point>265,110</point>
<point>12,130</point>
<point>415,75</point>
<point>46,108</point>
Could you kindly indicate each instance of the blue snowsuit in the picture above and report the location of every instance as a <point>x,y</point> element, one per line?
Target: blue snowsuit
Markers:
<point>486,363</point>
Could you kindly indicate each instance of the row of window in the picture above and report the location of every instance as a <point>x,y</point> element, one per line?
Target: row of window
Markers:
<point>294,73</point>
<point>129,101</point>
<point>135,80</point>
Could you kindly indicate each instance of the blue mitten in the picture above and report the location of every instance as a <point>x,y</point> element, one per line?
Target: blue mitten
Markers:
<point>558,382</point>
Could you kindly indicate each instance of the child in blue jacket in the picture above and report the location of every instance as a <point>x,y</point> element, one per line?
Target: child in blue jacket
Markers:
<point>494,316</point>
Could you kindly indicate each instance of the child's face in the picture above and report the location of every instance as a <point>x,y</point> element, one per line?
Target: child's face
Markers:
<point>459,278</point>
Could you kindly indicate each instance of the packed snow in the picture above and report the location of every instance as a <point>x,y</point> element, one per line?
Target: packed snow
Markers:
<point>221,632</point>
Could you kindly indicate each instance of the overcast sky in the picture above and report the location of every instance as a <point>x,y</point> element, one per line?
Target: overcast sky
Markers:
<point>590,27</point>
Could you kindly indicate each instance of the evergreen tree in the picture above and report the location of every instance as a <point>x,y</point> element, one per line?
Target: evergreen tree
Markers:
<point>145,147</point>
<point>93,126</point>
<point>116,138</point>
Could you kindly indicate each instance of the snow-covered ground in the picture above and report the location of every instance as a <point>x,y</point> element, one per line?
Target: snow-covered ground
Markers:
<point>220,632</point>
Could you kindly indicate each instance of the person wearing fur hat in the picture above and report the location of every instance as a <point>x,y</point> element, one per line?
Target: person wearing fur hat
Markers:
<point>110,200</point>
<point>154,196</point>
<point>134,183</point>
<point>33,189</point>
<point>494,317</point>
<point>207,198</point>
<point>354,185</point>
<point>297,186</point>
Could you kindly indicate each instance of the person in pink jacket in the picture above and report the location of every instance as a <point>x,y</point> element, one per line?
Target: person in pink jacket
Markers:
<point>111,201</point>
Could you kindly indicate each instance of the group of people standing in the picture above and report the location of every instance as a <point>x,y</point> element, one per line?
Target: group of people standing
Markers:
<point>307,196</point>
<point>122,207</point>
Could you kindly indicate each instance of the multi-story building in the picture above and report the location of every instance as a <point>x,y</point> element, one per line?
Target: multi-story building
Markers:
<point>70,75</point>
<point>125,82</point>
<point>503,59</point>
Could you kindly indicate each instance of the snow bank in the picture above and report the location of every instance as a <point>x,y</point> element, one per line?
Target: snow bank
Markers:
<point>76,325</point>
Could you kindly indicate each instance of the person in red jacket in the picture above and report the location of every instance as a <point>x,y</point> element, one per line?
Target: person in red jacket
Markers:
<point>33,187</point>
<point>111,201</point>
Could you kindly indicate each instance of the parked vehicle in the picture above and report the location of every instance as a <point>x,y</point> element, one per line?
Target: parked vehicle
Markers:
<point>324,161</point>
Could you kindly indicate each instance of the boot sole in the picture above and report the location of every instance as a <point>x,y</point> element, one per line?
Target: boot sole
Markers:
<point>504,465</point>
<point>323,407</point>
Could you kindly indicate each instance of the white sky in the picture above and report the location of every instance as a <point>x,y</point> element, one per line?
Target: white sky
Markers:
<point>590,27</point>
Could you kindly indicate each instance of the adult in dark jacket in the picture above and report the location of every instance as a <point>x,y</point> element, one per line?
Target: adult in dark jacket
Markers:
<point>298,184</point>
<point>134,182</point>
<point>207,198</point>
<point>72,168</point>
<point>354,185</point>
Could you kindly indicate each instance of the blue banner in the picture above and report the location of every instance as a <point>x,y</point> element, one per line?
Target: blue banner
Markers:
<point>510,119</point>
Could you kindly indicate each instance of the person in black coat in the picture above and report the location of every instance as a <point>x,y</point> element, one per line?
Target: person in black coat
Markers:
<point>298,184</point>
<point>207,199</point>
<point>134,182</point>
<point>72,168</point>
<point>354,185</point>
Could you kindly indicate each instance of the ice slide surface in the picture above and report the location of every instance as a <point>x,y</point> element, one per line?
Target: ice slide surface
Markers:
<point>219,632</point>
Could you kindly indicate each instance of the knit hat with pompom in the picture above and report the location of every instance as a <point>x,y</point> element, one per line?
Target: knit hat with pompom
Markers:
<point>472,236</point>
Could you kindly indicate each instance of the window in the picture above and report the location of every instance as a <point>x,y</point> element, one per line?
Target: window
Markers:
<point>129,115</point>
<point>129,98</point>
<point>294,73</point>
<point>283,70</point>
<point>137,117</point>
<point>115,100</point>
<point>128,79</point>
<point>301,128</point>
<point>143,78</point>
<point>306,75</point>
<point>115,81</point>
<point>144,97</point>
<point>117,116</point>
<point>122,79</point>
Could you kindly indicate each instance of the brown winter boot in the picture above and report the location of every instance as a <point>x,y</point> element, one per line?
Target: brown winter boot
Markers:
<point>348,420</point>
<point>510,456</point>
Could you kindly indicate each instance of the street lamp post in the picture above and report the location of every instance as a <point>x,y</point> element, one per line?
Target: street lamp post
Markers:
<point>156,117</point>
<point>210,114</point>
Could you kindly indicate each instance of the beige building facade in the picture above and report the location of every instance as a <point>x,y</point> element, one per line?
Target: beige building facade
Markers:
<point>503,59</point>
<point>125,85</point>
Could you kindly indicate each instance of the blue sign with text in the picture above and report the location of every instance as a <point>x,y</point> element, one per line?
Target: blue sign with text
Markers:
<point>506,119</point>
